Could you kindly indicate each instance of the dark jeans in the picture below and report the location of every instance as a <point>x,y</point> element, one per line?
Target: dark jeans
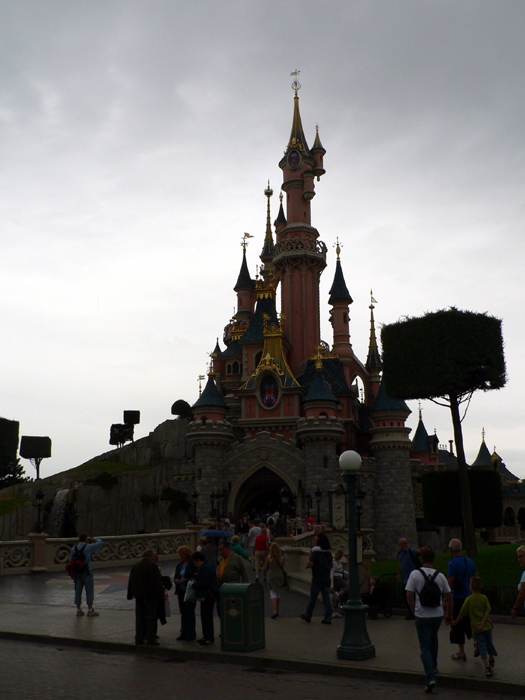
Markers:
<point>145,619</point>
<point>187,617</point>
<point>324,590</point>
<point>207,606</point>
<point>427,632</point>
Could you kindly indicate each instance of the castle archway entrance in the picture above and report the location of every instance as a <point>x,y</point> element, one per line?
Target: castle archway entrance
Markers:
<point>260,493</point>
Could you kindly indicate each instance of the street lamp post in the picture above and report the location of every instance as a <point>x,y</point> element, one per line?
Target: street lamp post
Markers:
<point>308,503</point>
<point>355,644</point>
<point>318,496</point>
<point>39,499</point>
<point>195,497</point>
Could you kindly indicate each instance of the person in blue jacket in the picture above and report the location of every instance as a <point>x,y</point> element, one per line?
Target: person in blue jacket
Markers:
<point>86,546</point>
<point>206,589</point>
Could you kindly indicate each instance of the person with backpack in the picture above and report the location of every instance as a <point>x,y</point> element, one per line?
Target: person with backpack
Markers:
<point>459,572</point>
<point>407,561</point>
<point>426,588</point>
<point>80,568</point>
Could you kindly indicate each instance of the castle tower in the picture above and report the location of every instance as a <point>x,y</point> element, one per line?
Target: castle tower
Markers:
<point>299,257</point>
<point>394,502</point>
<point>210,435</point>
<point>340,300</point>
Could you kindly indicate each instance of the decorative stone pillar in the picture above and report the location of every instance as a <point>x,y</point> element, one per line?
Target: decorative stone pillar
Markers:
<point>38,541</point>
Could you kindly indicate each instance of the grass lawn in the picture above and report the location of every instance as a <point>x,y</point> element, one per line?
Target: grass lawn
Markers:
<point>495,564</point>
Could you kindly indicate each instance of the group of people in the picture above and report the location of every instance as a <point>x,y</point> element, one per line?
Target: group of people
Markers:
<point>457,598</point>
<point>430,595</point>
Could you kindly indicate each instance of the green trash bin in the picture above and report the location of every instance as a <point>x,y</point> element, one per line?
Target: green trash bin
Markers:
<point>242,617</point>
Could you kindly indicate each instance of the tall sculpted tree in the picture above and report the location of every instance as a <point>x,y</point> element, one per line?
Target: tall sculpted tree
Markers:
<point>448,355</point>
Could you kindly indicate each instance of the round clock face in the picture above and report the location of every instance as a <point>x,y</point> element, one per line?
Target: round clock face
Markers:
<point>293,159</point>
<point>269,392</point>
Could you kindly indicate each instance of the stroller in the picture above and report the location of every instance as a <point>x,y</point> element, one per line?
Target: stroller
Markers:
<point>378,600</point>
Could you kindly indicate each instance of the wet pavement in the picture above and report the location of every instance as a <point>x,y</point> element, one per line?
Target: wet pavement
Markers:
<point>40,608</point>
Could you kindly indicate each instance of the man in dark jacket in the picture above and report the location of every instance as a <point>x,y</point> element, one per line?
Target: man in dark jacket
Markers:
<point>206,590</point>
<point>145,585</point>
<point>320,562</point>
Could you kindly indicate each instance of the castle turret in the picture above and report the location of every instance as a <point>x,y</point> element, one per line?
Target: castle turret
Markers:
<point>299,257</point>
<point>484,458</point>
<point>340,300</point>
<point>373,361</point>
<point>390,446</point>
<point>268,247</point>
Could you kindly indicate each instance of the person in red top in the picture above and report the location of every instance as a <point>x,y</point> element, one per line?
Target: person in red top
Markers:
<point>260,550</point>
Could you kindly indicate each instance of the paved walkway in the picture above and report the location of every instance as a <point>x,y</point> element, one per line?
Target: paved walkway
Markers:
<point>39,607</point>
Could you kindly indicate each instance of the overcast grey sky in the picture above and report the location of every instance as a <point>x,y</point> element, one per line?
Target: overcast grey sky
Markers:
<point>137,138</point>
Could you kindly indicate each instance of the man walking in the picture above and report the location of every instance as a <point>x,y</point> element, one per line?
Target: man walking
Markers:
<point>425,590</point>
<point>320,561</point>
<point>459,572</point>
<point>407,562</point>
<point>145,585</point>
<point>83,551</point>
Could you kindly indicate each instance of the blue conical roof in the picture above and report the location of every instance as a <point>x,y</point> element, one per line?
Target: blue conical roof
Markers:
<point>210,396</point>
<point>339,291</point>
<point>244,281</point>
<point>383,402</point>
<point>484,458</point>
<point>420,441</point>
<point>319,389</point>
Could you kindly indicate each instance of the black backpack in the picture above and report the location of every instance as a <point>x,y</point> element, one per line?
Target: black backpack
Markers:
<point>78,564</point>
<point>430,594</point>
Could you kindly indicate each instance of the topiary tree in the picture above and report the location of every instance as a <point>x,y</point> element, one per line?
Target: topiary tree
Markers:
<point>182,409</point>
<point>448,355</point>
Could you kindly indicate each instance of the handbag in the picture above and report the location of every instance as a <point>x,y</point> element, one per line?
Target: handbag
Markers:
<point>286,583</point>
<point>189,596</point>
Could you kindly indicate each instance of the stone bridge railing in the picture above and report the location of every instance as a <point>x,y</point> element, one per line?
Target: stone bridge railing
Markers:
<point>42,553</point>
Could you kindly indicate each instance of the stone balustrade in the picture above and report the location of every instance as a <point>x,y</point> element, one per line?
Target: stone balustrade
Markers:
<point>42,553</point>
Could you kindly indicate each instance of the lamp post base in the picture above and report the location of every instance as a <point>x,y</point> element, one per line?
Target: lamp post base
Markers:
<point>355,644</point>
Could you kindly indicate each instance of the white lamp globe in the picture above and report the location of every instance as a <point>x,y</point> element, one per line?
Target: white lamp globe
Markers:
<point>350,461</point>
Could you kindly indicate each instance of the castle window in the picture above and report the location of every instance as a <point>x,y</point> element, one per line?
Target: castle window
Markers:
<point>228,369</point>
<point>509,517</point>
<point>257,359</point>
<point>345,317</point>
<point>325,462</point>
<point>203,420</point>
<point>235,367</point>
<point>323,414</point>
<point>269,391</point>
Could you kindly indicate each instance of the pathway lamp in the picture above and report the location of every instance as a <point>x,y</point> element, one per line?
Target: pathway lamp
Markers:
<point>359,498</point>
<point>213,499</point>
<point>318,496</point>
<point>308,503</point>
<point>39,500</point>
<point>286,495</point>
<point>195,498</point>
<point>355,644</point>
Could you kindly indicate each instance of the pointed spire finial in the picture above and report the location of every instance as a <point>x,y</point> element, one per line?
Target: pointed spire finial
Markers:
<point>483,434</point>
<point>200,379</point>
<point>420,416</point>
<point>337,246</point>
<point>296,85</point>
<point>244,242</point>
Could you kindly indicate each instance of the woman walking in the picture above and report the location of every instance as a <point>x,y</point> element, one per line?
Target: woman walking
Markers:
<point>274,568</point>
<point>184,572</point>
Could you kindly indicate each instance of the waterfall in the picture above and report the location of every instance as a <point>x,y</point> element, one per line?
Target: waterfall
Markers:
<point>57,516</point>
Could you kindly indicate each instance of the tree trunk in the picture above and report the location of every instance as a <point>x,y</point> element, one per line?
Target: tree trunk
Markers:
<point>466,505</point>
